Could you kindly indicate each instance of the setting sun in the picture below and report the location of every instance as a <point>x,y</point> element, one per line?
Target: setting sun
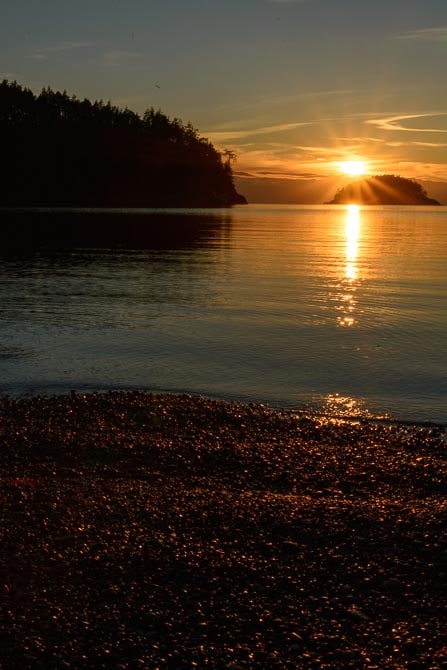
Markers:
<point>353,168</point>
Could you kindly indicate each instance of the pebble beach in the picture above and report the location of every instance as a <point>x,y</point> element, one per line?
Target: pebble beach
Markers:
<point>177,532</point>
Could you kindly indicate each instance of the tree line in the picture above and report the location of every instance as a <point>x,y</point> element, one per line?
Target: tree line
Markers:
<point>58,150</point>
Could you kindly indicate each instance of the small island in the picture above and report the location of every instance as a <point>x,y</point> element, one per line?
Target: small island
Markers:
<point>386,189</point>
<point>59,151</point>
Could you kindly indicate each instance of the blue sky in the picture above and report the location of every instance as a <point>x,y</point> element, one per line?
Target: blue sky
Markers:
<point>294,87</point>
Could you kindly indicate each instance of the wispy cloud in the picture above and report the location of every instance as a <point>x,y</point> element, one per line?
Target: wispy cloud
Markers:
<point>317,151</point>
<point>292,161</point>
<point>233,132</point>
<point>431,145</point>
<point>424,145</point>
<point>45,52</point>
<point>394,123</point>
<point>421,171</point>
<point>266,101</point>
<point>226,135</point>
<point>438,34</point>
<point>360,139</point>
<point>313,148</point>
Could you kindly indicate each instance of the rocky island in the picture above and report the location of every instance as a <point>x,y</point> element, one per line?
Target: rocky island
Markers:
<point>386,189</point>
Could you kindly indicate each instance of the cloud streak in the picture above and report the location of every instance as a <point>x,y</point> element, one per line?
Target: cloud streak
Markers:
<point>427,145</point>
<point>438,34</point>
<point>225,135</point>
<point>393,123</point>
<point>235,134</point>
<point>60,47</point>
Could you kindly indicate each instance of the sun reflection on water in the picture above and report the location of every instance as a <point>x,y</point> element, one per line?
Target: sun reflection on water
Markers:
<point>336,404</point>
<point>352,236</point>
<point>352,240</point>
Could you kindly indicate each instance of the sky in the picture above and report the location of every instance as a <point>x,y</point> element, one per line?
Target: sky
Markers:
<point>298,89</point>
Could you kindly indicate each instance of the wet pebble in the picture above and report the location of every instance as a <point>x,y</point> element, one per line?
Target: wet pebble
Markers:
<point>157,531</point>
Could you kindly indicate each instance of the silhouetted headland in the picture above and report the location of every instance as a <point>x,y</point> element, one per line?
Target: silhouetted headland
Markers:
<point>61,151</point>
<point>386,189</point>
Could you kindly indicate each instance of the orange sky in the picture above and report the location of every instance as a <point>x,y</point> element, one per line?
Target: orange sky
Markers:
<point>294,87</point>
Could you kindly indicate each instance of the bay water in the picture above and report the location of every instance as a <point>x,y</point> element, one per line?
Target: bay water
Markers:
<point>341,310</point>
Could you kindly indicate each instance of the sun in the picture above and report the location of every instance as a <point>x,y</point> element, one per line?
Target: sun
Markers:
<point>353,168</point>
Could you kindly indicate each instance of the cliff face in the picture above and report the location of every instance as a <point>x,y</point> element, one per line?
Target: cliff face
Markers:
<point>61,151</point>
<point>383,190</point>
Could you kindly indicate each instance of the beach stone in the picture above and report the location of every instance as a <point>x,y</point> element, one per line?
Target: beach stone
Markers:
<point>393,586</point>
<point>128,534</point>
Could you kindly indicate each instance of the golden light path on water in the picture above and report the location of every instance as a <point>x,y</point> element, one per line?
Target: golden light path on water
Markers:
<point>352,240</point>
<point>352,236</point>
<point>337,404</point>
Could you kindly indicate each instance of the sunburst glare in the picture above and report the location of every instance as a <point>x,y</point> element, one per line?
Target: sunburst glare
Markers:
<point>355,168</point>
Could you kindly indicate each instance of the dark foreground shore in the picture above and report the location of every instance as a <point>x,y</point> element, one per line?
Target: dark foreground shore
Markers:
<point>144,531</point>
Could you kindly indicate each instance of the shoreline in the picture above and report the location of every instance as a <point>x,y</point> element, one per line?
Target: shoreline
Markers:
<point>173,531</point>
<point>298,411</point>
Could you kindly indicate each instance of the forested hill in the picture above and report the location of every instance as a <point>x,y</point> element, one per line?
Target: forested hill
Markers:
<point>386,189</point>
<point>57,150</point>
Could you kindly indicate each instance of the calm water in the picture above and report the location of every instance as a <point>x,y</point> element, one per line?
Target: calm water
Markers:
<point>343,310</point>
